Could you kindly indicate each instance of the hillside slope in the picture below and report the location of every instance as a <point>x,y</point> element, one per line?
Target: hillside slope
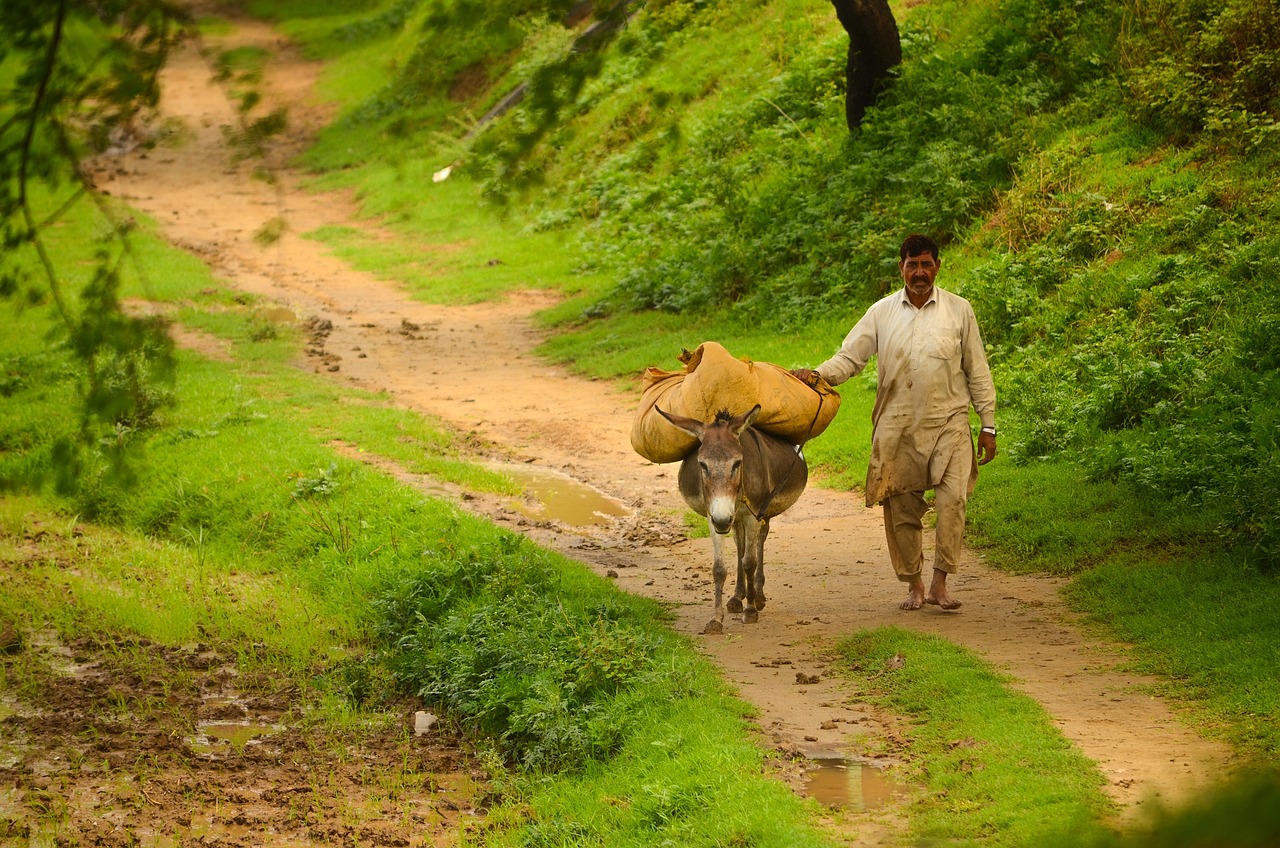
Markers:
<point>1101,176</point>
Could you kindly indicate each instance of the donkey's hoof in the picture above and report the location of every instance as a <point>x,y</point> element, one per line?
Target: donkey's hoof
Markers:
<point>750,616</point>
<point>760,602</point>
<point>713,628</point>
<point>734,605</point>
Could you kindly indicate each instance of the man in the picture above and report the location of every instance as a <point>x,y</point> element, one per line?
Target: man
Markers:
<point>931,366</point>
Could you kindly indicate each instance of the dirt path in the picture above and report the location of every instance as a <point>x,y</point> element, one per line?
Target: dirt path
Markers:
<point>473,367</point>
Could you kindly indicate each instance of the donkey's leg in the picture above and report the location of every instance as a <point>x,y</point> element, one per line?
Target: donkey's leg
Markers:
<point>740,587</point>
<point>759,581</point>
<point>751,542</point>
<point>718,573</point>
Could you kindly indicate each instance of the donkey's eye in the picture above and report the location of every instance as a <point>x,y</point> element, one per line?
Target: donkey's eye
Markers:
<point>706,469</point>
<point>737,466</point>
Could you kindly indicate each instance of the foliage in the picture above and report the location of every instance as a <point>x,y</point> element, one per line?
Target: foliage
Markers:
<point>1243,812</point>
<point>1207,72</point>
<point>767,220</point>
<point>1155,368</point>
<point>77,76</point>
<point>488,635</point>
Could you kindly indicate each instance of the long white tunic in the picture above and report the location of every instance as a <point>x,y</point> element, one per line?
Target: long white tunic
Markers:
<point>931,366</point>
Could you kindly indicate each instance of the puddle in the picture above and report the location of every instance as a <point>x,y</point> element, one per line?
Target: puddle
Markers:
<point>559,497</point>
<point>849,784</point>
<point>238,733</point>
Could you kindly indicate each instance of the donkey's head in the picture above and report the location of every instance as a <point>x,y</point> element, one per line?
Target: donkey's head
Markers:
<point>719,457</point>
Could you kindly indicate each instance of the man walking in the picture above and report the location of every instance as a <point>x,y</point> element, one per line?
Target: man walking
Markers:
<point>931,367</point>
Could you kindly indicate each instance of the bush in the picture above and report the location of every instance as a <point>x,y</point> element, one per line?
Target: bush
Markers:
<point>490,636</point>
<point>1208,71</point>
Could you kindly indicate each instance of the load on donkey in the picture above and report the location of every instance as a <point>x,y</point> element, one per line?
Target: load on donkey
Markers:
<point>737,428</point>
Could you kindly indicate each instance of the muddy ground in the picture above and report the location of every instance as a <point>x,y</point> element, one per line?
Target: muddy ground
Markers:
<point>473,367</point>
<point>143,745</point>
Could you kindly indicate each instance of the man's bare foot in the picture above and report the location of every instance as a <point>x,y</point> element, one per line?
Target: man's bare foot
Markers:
<point>938,596</point>
<point>915,597</point>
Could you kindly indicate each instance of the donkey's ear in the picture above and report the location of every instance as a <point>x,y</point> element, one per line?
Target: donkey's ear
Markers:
<point>692,426</point>
<point>743,421</point>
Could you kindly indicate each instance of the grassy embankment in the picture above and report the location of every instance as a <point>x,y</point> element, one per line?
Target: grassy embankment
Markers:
<point>1101,176</point>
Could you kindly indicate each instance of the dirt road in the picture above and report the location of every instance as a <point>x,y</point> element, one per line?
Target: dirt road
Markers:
<point>473,367</point>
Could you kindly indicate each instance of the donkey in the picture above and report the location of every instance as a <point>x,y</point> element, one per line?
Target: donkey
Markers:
<point>739,478</point>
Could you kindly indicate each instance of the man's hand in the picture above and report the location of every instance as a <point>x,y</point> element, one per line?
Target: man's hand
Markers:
<point>804,375</point>
<point>986,448</point>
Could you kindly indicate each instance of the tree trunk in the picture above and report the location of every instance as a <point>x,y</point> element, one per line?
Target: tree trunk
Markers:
<point>874,48</point>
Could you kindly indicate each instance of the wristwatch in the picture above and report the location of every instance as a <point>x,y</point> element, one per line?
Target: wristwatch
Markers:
<point>991,430</point>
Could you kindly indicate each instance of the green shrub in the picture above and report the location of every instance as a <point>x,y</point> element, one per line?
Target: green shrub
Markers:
<point>1208,71</point>
<point>491,636</point>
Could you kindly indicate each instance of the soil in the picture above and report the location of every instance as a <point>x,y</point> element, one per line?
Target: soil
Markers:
<point>474,368</point>
<point>145,745</point>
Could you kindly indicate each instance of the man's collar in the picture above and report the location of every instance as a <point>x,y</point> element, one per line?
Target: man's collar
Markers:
<point>905,298</point>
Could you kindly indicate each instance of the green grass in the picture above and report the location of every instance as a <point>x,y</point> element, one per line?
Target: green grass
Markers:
<point>679,780</point>
<point>449,252</point>
<point>985,755</point>
<point>1206,626</point>
<point>1244,813</point>
<point>1048,518</point>
<point>1198,617</point>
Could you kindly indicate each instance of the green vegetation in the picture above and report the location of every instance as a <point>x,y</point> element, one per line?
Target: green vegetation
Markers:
<point>1246,809</point>
<point>1102,178</point>
<point>75,77</point>
<point>987,754</point>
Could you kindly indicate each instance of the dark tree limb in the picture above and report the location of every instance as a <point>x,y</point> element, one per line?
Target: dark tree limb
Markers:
<point>874,48</point>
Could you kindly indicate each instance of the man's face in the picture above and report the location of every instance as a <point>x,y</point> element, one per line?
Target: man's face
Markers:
<point>918,273</point>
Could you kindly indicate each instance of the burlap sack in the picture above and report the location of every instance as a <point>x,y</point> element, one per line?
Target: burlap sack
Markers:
<point>713,380</point>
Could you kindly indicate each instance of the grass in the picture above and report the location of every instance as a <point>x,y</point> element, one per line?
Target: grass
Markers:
<point>985,754</point>
<point>661,789</point>
<point>1197,616</point>
<point>1205,625</point>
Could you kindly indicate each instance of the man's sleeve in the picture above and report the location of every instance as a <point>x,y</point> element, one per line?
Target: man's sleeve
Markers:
<point>858,347</point>
<point>982,389</point>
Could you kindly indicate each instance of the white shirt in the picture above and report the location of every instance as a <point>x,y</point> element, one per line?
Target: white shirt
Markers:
<point>931,366</point>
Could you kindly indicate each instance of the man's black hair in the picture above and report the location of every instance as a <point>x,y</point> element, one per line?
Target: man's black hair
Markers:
<point>916,244</point>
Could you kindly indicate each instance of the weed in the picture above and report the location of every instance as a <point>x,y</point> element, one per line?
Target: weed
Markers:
<point>270,232</point>
<point>320,485</point>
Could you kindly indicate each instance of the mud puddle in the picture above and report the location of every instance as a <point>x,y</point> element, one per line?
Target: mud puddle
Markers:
<point>238,734</point>
<point>850,785</point>
<point>553,496</point>
<point>109,743</point>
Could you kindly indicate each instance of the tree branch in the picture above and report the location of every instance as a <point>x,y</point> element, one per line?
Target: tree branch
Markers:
<point>33,233</point>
